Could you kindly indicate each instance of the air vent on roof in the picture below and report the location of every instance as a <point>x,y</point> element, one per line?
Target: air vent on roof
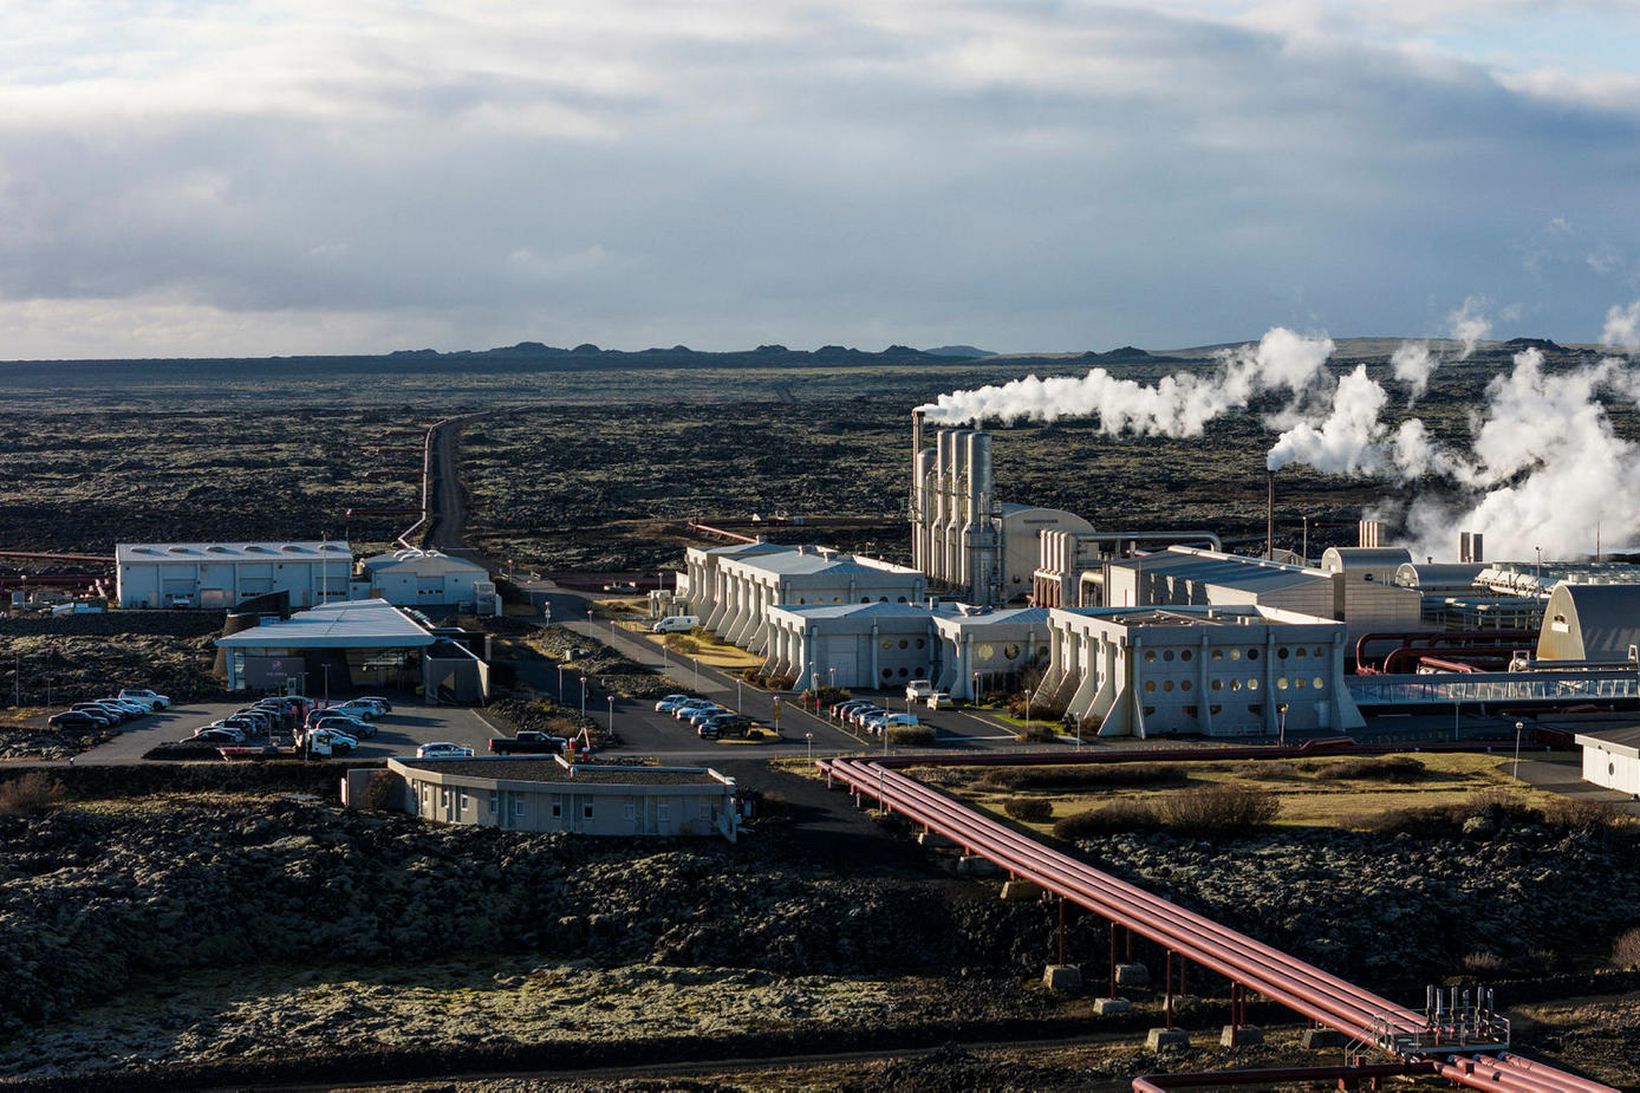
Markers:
<point>257,548</point>
<point>332,546</point>
<point>291,548</point>
<point>219,549</point>
<point>179,550</point>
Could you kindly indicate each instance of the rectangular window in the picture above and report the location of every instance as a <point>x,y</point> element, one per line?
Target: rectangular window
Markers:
<point>492,802</point>
<point>518,807</point>
<point>630,811</point>
<point>461,802</point>
<point>557,807</point>
<point>586,811</point>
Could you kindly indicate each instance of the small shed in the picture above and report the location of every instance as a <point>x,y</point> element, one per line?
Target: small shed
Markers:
<point>1611,758</point>
<point>1590,622</point>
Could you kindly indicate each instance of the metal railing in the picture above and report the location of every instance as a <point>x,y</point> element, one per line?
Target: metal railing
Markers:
<point>1467,689</point>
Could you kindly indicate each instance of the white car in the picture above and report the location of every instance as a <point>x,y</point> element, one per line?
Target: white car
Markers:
<point>215,731</point>
<point>443,749</point>
<point>364,711</point>
<point>152,700</point>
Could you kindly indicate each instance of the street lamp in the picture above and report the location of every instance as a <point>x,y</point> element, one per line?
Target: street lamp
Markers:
<point>1519,725</point>
<point>612,715</point>
<point>560,681</point>
<point>583,696</point>
<point>738,683</point>
<point>831,673</point>
<point>327,684</point>
<point>809,736</point>
<point>1282,710</point>
<point>697,673</point>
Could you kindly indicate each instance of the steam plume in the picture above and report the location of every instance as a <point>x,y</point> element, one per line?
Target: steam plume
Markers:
<point>1178,405</point>
<point>1414,364</point>
<point>1469,325</point>
<point>1623,328</point>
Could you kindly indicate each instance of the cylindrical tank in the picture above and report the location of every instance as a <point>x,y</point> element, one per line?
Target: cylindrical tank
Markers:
<point>937,513</point>
<point>977,558</point>
<point>956,507</point>
<point>920,508</point>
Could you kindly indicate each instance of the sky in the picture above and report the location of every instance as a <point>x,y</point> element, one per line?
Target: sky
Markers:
<point>193,178</point>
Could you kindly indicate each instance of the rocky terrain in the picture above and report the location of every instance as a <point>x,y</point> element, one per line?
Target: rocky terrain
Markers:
<point>138,904</point>
<point>1398,911</point>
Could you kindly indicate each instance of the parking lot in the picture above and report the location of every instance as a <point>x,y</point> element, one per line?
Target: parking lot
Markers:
<point>397,733</point>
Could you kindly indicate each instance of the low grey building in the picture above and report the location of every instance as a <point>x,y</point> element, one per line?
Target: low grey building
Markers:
<point>548,793</point>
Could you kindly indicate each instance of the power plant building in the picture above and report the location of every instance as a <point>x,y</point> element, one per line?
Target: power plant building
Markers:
<point>1213,671</point>
<point>222,575</point>
<point>425,578</point>
<point>703,582</point>
<point>753,585</point>
<point>962,537</point>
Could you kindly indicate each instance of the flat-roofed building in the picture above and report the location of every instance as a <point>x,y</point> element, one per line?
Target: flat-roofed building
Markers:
<point>1213,671</point>
<point>866,646</point>
<point>1611,758</point>
<point>549,793</point>
<point>703,583</point>
<point>428,578</point>
<point>222,575</point>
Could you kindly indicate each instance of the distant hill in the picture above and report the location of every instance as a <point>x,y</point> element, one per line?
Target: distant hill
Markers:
<point>959,351</point>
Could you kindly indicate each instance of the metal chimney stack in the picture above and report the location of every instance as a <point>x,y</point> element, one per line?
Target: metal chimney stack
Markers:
<point>1270,516</point>
<point>1371,534</point>
<point>1471,547</point>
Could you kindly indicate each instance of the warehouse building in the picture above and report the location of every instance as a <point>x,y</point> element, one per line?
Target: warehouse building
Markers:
<point>548,793</point>
<point>1611,758</point>
<point>1185,576</point>
<point>222,575</point>
<point>801,576</point>
<point>1212,671</point>
<point>1071,564</point>
<point>1591,622</point>
<point>358,643</point>
<point>427,578</point>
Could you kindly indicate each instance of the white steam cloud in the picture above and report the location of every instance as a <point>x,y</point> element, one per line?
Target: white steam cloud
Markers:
<point>1414,364</point>
<point>1469,325</point>
<point>1178,405</point>
<point>1623,328</point>
<point>1348,441</point>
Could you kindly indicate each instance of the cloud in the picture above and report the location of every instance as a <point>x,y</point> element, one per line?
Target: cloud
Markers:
<point>1057,176</point>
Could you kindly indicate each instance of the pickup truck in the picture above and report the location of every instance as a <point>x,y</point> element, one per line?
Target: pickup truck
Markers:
<point>527,742</point>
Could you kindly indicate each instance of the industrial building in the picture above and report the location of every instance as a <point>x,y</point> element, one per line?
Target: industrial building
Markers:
<point>223,575</point>
<point>548,793</point>
<point>986,651</point>
<point>1212,671</point>
<point>702,583</point>
<point>753,584</point>
<point>426,578</point>
<point>1070,567</point>
<point>1591,623</point>
<point>358,643</point>
<point>962,536</point>
<point>856,645</point>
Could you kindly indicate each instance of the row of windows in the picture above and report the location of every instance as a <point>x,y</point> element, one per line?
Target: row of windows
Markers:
<point>1252,684</point>
<point>1282,653</point>
<point>1254,708</point>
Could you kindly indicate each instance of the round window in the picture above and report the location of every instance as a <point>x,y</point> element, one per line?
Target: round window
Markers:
<point>1217,684</point>
<point>1184,685</point>
<point>1218,654</point>
<point>888,673</point>
<point>1282,652</point>
<point>1318,683</point>
<point>1252,684</point>
<point>986,652</point>
<point>922,642</point>
<point>1235,684</point>
<point>1150,686</point>
<point>1235,654</point>
<point>1301,683</point>
<point>1010,652</point>
<point>1252,654</point>
<point>1167,685</point>
<point>1186,654</point>
<point>904,672</point>
<point>904,644</point>
<point>1281,683</point>
<point>1299,652</point>
<point>888,643</point>
<point>1150,656</point>
<point>1167,655</point>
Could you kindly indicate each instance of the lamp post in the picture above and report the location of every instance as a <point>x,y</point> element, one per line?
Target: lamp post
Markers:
<point>1519,725</point>
<point>831,674</point>
<point>1282,710</point>
<point>738,683</point>
<point>612,715</point>
<point>583,696</point>
<point>809,736</point>
<point>697,673</point>
<point>327,684</point>
<point>1539,567</point>
<point>560,681</point>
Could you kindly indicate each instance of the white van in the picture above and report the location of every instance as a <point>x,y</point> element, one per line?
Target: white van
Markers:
<point>918,689</point>
<point>676,624</point>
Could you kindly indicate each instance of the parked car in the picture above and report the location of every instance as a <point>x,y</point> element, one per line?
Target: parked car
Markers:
<point>858,716</point>
<point>528,742</point>
<point>670,703</point>
<point>101,717</point>
<point>939,700</point>
<point>154,699</point>
<point>335,739</point>
<point>901,720</point>
<point>706,714</point>
<point>386,706</point>
<point>443,749</point>
<point>364,711</point>
<point>220,734</point>
<point>845,709</point>
<point>675,624</point>
<point>97,709</point>
<point>918,688</point>
<point>733,725</point>
<point>343,723</point>
<point>135,709</point>
<point>839,708</point>
<point>74,719</point>
<point>683,711</point>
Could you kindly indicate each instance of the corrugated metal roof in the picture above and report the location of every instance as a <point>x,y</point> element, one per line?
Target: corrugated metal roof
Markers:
<point>421,564</point>
<point>275,551</point>
<point>872,610</point>
<point>354,624</point>
<point>1230,570</point>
